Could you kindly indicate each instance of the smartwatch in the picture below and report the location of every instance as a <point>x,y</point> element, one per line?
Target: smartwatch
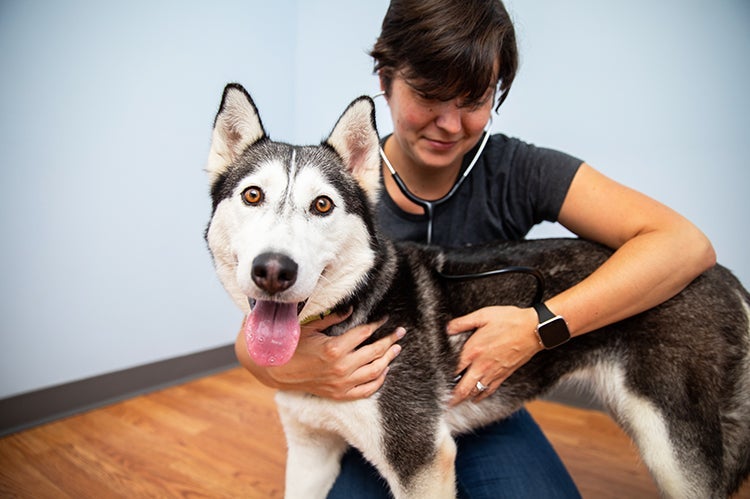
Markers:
<point>552,330</point>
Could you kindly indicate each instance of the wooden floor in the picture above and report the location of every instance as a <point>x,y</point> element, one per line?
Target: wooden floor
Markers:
<point>220,437</point>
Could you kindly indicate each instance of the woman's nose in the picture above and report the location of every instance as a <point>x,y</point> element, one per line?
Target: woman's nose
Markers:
<point>448,117</point>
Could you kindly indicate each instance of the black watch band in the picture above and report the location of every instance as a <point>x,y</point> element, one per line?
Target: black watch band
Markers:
<point>543,312</point>
<point>552,330</point>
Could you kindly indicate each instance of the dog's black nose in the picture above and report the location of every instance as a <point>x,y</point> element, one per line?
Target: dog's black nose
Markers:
<point>274,272</point>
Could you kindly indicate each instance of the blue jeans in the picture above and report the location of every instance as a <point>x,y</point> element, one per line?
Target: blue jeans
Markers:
<point>508,459</point>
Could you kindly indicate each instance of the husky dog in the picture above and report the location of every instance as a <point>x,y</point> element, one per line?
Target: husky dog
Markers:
<point>292,236</point>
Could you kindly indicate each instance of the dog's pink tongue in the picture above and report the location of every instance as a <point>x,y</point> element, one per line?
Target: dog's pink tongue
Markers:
<point>272,332</point>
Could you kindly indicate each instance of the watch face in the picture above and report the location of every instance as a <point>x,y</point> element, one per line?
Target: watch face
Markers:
<point>554,332</point>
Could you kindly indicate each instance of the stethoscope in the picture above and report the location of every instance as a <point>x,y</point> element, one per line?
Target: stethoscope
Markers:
<point>429,208</point>
<point>427,205</point>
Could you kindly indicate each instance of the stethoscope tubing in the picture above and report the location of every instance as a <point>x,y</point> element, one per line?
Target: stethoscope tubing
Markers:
<point>429,208</point>
<point>428,205</point>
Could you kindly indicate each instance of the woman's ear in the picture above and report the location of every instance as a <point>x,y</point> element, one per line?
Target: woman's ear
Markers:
<point>385,84</point>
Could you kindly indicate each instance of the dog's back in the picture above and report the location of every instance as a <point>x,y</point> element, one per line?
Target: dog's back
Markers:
<point>677,377</point>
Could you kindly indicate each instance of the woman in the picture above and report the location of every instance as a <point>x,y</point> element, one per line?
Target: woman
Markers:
<point>443,66</point>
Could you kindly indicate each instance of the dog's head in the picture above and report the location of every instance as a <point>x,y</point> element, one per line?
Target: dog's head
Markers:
<point>291,233</point>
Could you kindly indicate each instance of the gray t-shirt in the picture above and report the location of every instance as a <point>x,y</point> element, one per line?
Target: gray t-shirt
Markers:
<point>513,186</point>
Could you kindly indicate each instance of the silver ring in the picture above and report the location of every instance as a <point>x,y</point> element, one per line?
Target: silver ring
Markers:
<point>481,387</point>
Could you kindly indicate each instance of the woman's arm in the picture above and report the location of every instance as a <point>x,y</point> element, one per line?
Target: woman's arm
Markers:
<point>658,252</point>
<point>328,366</point>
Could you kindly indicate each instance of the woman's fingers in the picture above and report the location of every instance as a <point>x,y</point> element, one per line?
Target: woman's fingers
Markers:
<point>364,371</point>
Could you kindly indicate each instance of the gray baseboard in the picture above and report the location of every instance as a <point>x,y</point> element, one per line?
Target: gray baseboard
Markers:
<point>34,408</point>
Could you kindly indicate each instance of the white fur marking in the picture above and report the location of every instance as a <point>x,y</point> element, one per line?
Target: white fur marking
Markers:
<point>292,173</point>
<point>314,427</point>
<point>646,424</point>
<point>238,233</point>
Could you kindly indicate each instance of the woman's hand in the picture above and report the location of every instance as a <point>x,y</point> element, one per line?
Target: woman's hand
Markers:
<point>504,340</point>
<point>330,366</point>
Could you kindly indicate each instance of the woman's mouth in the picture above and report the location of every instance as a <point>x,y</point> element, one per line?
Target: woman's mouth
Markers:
<point>441,145</point>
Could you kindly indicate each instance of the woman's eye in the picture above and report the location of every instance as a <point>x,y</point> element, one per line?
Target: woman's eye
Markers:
<point>322,205</point>
<point>252,196</point>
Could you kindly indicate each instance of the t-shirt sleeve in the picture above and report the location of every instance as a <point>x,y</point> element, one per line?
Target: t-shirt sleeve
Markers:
<point>542,176</point>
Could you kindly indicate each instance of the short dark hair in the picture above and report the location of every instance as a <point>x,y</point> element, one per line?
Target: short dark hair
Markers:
<point>448,48</point>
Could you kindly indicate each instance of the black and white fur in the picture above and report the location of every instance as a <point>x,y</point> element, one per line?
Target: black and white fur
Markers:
<point>676,378</point>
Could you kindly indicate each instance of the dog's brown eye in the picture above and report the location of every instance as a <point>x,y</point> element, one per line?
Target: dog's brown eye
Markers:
<point>252,196</point>
<point>322,205</point>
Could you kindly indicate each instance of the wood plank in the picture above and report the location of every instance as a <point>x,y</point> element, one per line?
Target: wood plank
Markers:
<point>19,473</point>
<point>220,436</point>
<point>601,458</point>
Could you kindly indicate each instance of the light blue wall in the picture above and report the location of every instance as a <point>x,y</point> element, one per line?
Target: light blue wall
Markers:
<point>105,117</point>
<point>654,94</point>
<point>106,111</point>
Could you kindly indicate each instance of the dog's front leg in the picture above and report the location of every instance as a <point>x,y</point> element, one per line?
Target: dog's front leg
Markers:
<point>314,454</point>
<point>313,463</point>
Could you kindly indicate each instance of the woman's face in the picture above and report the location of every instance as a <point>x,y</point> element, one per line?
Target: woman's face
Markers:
<point>433,133</point>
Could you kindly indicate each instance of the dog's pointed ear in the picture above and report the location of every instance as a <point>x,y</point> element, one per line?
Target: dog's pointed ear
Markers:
<point>355,139</point>
<point>237,126</point>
